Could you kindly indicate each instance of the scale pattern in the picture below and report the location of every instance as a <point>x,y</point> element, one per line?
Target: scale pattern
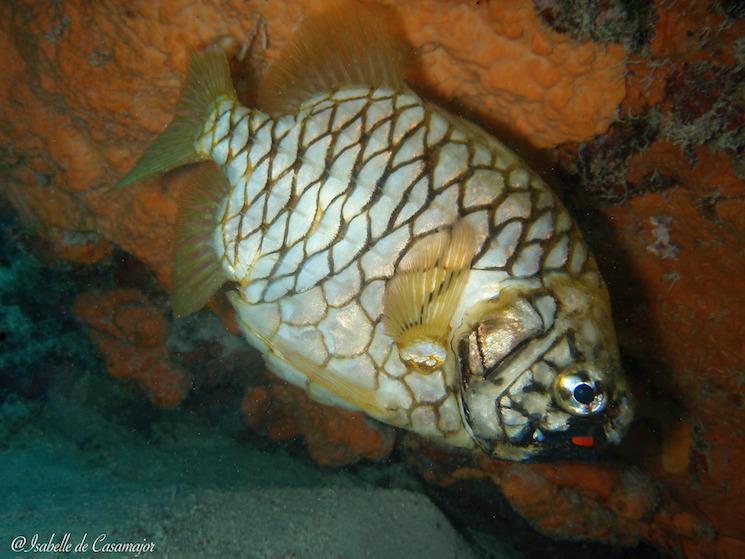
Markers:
<point>326,202</point>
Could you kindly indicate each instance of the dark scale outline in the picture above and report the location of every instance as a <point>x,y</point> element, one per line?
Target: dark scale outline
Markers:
<point>431,159</point>
<point>335,134</point>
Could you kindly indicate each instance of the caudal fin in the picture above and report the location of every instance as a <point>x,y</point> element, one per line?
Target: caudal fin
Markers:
<point>207,81</point>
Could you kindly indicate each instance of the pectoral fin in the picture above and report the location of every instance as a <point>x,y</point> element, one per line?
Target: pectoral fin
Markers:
<point>422,296</point>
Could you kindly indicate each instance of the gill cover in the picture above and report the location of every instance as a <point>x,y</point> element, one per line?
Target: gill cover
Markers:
<point>488,343</point>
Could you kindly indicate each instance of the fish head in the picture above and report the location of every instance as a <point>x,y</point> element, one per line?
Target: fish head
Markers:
<point>540,373</point>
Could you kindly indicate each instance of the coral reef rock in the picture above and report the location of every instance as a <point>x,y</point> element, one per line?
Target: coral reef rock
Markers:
<point>334,437</point>
<point>130,333</point>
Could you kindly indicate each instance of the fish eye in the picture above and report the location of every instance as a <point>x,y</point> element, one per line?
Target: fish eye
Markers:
<point>584,393</point>
<point>579,390</point>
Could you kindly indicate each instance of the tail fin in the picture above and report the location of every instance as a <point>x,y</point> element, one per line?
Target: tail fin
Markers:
<point>208,78</point>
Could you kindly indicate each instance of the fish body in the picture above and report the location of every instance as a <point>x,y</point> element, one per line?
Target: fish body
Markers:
<point>389,257</point>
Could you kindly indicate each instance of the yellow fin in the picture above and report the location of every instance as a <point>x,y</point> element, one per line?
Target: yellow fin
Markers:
<point>197,271</point>
<point>207,80</point>
<point>342,45</point>
<point>422,296</point>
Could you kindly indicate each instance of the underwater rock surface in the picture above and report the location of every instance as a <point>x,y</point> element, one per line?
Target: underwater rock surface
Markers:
<point>643,111</point>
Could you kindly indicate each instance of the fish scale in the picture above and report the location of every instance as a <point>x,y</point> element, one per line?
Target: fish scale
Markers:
<point>387,256</point>
<point>383,189</point>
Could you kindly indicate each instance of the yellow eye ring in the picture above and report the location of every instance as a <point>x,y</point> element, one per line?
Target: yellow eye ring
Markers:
<point>579,390</point>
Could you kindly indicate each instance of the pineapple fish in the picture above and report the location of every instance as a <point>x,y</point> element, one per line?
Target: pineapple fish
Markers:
<point>387,256</point>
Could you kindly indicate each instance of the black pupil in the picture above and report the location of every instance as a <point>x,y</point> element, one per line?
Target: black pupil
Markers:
<point>584,393</point>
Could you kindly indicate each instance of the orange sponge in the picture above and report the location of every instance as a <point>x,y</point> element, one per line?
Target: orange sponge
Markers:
<point>130,333</point>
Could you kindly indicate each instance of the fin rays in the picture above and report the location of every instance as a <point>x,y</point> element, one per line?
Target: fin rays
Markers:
<point>421,298</point>
<point>333,48</point>
<point>208,79</point>
<point>197,271</point>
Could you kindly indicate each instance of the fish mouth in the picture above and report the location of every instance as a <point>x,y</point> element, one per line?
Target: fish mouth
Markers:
<point>582,440</point>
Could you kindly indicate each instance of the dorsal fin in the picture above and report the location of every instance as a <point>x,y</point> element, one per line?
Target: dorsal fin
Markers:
<point>344,44</point>
<point>197,271</point>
